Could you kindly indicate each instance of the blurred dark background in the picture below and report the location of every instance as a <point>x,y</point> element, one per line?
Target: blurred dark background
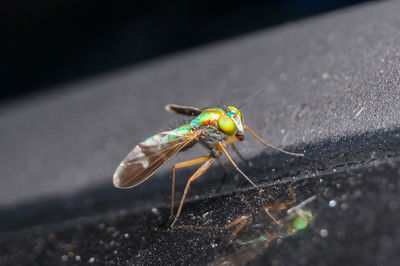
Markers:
<point>45,43</point>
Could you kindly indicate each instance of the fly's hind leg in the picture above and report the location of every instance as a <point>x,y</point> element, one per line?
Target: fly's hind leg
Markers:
<point>183,165</point>
<point>208,161</point>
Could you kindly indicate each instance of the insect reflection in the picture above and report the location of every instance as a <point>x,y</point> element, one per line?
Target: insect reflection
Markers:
<point>257,237</point>
<point>213,128</point>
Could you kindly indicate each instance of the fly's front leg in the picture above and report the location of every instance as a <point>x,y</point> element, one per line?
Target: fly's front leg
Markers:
<point>222,148</point>
<point>183,165</point>
<point>202,169</point>
<point>230,141</point>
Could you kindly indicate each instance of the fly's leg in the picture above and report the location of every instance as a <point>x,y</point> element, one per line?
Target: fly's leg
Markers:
<point>228,141</point>
<point>222,148</point>
<point>183,165</point>
<point>279,206</point>
<point>237,225</point>
<point>269,145</point>
<point>202,169</point>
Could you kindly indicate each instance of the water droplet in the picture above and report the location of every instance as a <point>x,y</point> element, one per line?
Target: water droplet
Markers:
<point>155,211</point>
<point>323,232</point>
<point>332,203</point>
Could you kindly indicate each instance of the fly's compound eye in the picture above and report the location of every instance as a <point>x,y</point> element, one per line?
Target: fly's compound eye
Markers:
<point>227,125</point>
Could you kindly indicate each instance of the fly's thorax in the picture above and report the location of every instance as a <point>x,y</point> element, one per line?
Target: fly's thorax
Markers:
<point>207,120</point>
<point>210,139</point>
<point>218,124</point>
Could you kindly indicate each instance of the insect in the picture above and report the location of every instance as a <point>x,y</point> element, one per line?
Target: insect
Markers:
<point>214,128</point>
<point>237,224</point>
<point>252,232</point>
<point>296,219</point>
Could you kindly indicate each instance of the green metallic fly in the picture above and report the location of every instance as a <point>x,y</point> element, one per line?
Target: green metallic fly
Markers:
<point>214,128</point>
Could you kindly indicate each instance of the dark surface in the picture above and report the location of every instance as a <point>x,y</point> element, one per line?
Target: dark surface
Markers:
<point>361,228</point>
<point>329,87</point>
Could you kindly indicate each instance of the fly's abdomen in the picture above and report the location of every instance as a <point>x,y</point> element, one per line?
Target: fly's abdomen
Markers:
<point>164,139</point>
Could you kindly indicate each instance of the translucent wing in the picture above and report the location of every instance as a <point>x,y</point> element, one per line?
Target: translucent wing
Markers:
<point>150,155</point>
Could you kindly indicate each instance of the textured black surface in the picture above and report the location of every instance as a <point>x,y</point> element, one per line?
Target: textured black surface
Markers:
<point>361,228</point>
<point>327,86</point>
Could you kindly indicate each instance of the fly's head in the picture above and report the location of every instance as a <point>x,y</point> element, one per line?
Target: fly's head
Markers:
<point>232,123</point>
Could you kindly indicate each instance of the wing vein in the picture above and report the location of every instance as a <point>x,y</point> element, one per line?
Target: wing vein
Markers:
<point>133,171</point>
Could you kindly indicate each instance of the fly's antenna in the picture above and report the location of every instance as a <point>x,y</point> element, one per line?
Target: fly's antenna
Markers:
<point>251,96</point>
<point>270,146</point>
